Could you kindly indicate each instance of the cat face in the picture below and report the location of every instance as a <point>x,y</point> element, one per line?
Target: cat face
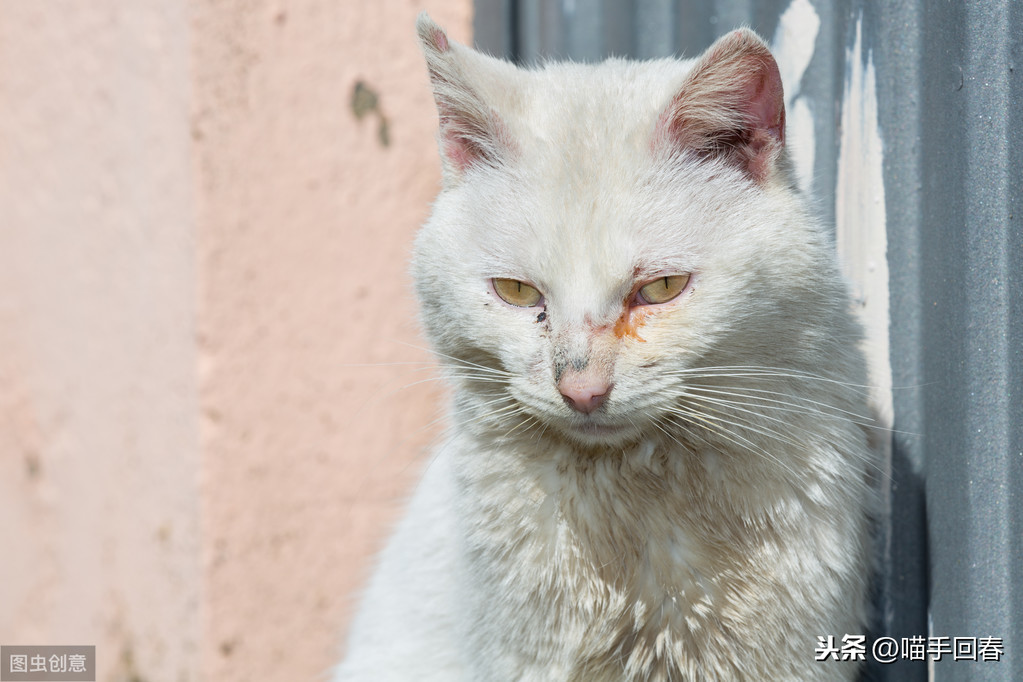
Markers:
<point>605,232</point>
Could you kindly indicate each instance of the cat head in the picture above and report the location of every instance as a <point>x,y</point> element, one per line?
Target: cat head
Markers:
<point>604,232</point>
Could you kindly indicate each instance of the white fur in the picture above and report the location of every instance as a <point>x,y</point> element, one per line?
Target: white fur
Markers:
<point>631,543</point>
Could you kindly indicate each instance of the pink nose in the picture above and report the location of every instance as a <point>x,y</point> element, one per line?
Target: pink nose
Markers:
<point>583,393</point>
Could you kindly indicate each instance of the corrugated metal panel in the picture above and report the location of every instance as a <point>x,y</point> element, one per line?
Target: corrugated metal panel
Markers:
<point>969,322</point>
<point>949,94</point>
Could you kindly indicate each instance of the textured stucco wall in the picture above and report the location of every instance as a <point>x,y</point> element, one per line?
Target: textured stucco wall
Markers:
<point>306,222</point>
<point>199,244</point>
<point>98,393</point>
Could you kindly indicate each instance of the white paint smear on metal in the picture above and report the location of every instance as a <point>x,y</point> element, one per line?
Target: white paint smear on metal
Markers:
<point>793,47</point>
<point>860,217</point>
<point>794,42</point>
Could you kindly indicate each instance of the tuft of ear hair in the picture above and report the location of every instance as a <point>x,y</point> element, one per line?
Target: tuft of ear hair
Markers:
<point>730,106</point>
<point>471,133</point>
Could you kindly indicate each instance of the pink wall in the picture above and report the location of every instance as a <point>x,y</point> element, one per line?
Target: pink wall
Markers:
<point>199,244</point>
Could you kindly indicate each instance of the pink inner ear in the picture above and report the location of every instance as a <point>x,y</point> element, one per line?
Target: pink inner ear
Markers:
<point>731,107</point>
<point>765,99</point>
<point>766,114</point>
<point>458,151</point>
<point>439,39</point>
<point>468,138</point>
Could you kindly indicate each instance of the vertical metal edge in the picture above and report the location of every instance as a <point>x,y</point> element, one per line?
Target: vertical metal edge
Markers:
<point>895,33</point>
<point>493,24</point>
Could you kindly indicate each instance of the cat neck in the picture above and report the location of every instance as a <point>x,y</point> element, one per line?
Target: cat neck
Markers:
<point>608,502</point>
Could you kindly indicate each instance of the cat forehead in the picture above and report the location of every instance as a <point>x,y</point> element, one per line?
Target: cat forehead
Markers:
<point>559,102</point>
<point>599,236</point>
<point>588,211</point>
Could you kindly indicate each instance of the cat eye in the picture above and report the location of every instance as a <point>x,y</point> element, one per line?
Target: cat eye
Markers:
<point>516,293</point>
<point>663,289</point>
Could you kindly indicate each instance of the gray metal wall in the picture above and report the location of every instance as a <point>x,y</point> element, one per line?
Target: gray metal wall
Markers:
<point>950,103</point>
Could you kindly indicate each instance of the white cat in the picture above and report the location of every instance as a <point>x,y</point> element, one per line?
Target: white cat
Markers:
<point>657,469</point>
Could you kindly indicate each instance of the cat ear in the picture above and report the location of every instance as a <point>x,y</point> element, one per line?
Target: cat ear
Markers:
<point>730,107</point>
<point>470,131</point>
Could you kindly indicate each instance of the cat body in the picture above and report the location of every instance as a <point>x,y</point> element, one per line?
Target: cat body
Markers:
<point>656,468</point>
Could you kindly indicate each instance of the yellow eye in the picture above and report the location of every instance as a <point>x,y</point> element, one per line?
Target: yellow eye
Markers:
<point>517,293</point>
<point>664,289</point>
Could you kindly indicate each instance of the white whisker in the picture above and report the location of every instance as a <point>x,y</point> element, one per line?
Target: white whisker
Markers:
<point>766,371</point>
<point>749,423</point>
<point>460,361</point>
<point>714,424</point>
<point>734,391</point>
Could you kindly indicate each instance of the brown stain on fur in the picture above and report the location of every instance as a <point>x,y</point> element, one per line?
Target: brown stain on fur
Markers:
<point>630,322</point>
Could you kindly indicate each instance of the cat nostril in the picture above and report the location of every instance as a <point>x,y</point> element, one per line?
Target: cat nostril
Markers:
<point>584,397</point>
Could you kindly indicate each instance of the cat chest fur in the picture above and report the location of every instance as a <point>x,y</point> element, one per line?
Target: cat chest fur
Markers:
<point>629,569</point>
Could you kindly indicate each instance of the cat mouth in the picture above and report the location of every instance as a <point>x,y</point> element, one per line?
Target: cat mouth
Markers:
<point>593,432</point>
<point>597,429</point>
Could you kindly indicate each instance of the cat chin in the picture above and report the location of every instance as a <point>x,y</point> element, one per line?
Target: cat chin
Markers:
<point>595,437</point>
